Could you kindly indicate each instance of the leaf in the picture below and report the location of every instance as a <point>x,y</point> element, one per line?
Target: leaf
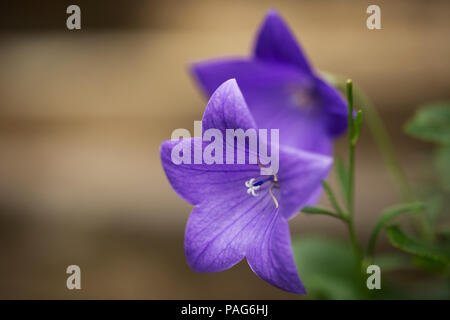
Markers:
<point>332,198</point>
<point>442,164</point>
<point>444,232</point>
<point>343,177</point>
<point>431,122</point>
<point>357,126</point>
<point>327,268</point>
<point>403,242</point>
<point>317,210</point>
<point>391,262</point>
<point>435,207</point>
<point>389,214</point>
<point>429,265</point>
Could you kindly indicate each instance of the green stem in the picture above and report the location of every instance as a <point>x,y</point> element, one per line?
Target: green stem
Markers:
<point>384,142</point>
<point>351,148</point>
<point>355,245</point>
<point>386,148</point>
<point>351,178</point>
<point>380,135</point>
<point>316,210</point>
<point>333,199</point>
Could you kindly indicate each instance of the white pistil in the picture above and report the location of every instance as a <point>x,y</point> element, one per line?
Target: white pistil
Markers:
<point>251,188</point>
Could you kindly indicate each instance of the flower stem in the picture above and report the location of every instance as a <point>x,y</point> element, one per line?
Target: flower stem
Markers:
<point>387,150</point>
<point>380,135</point>
<point>351,178</point>
<point>351,146</point>
<point>384,142</point>
<point>333,199</point>
<point>355,245</point>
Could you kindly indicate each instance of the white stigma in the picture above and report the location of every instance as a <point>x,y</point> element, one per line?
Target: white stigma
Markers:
<point>251,188</point>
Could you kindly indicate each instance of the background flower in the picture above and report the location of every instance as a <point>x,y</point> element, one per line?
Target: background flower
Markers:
<point>281,88</point>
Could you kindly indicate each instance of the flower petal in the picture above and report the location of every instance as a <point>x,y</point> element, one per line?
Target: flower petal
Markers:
<point>300,176</point>
<point>197,182</point>
<point>226,109</point>
<point>194,182</point>
<point>270,91</point>
<point>271,258</point>
<point>221,229</point>
<point>249,74</point>
<point>335,107</point>
<point>276,43</point>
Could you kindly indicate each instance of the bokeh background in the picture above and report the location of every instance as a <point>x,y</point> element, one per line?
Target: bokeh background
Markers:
<point>82,115</point>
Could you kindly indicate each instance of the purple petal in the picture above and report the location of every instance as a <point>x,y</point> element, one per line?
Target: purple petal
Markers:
<point>270,255</point>
<point>271,91</point>
<point>276,43</point>
<point>314,198</point>
<point>196,182</point>
<point>220,230</point>
<point>335,107</point>
<point>227,109</point>
<point>249,74</point>
<point>300,176</point>
<point>302,129</point>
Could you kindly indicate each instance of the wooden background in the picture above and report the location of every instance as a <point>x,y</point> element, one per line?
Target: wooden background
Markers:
<point>82,114</point>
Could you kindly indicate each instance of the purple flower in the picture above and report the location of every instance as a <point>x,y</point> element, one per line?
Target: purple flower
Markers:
<point>281,89</point>
<point>238,213</point>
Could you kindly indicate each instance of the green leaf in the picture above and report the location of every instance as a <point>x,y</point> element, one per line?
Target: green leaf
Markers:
<point>393,261</point>
<point>317,210</point>
<point>357,126</point>
<point>389,214</point>
<point>432,123</point>
<point>327,268</point>
<point>435,207</point>
<point>332,198</point>
<point>444,232</point>
<point>343,177</point>
<point>442,164</point>
<point>403,242</point>
<point>429,265</point>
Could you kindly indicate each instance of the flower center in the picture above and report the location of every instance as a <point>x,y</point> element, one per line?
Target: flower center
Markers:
<point>302,95</point>
<point>253,186</point>
<point>302,99</point>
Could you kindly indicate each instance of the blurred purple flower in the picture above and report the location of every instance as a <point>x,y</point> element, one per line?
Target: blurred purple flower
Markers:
<point>227,222</point>
<point>281,89</point>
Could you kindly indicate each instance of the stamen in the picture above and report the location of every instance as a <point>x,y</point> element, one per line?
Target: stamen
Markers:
<point>262,181</point>
<point>253,187</point>
<point>273,197</point>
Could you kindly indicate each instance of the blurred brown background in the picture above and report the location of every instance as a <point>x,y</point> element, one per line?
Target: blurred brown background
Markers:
<point>82,114</point>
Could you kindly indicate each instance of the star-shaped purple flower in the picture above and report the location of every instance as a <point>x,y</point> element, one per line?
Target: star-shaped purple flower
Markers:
<point>282,89</point>
<point>238,213</point>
